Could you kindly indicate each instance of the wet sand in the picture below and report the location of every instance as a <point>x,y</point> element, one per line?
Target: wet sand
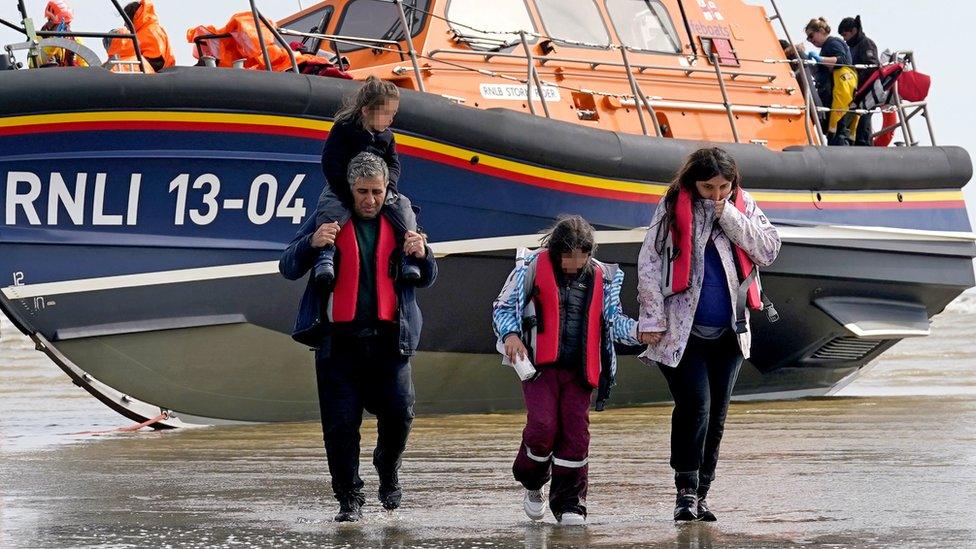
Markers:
<point>893,464</point>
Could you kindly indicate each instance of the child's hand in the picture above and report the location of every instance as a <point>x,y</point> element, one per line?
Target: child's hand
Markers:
<point>650,338</point>
<point>514,348</point>
<point>325,235</point>
<point>415,244</point>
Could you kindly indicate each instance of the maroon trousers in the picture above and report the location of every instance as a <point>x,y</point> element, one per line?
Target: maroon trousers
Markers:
<point>556,438</point>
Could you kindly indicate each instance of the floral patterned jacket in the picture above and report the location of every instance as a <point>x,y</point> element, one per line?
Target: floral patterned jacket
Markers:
<point>674,315</point>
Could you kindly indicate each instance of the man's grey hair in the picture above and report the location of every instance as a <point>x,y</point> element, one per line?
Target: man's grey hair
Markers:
<point>366,165</point>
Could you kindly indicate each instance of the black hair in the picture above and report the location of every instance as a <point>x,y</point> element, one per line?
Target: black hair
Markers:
<point>849,24</point>
<point>700,165</point>
<point>374,93</point>
<point>570,232</point>
<point>131,8</point>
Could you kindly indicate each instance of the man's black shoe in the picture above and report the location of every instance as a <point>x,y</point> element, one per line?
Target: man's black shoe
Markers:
<point>390,494</point>
<point>704,513</point>
<point>350,510</point>
<point>686,505</point>
<point>325,267</point>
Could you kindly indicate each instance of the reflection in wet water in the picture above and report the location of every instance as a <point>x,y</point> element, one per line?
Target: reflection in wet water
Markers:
<point>894,467</point>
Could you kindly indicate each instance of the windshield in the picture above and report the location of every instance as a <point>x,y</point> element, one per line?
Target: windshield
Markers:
<point>315,22</point>
<point>310,22</point>
<point>573,20</point>
<point>469,17</point>
<point>643,25</point>
<point>379,19</point>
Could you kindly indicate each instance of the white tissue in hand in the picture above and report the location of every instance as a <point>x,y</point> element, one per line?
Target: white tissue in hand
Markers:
<point>523,367</point>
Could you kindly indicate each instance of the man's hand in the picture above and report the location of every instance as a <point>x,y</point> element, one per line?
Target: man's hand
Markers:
<point>650,338</point>
<point>325,235</point>
<point>415,244</point>
<point>719,208</point>
<point>514,348</point>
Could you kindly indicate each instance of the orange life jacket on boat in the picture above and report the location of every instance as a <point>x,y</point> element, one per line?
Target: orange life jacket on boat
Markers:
<point>243,43</point>
<point>153,40</point>
<point>546,336</point>
<point>678,250</point>
<point>346,290</point>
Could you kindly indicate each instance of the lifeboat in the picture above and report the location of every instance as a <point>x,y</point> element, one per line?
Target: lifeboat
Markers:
<point>144,213</point>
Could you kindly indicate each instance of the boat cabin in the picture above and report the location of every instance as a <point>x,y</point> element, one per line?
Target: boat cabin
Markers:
<point>699,70</point>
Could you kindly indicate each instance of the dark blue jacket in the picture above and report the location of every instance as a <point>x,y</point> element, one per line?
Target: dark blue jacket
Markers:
<point>310,329</point>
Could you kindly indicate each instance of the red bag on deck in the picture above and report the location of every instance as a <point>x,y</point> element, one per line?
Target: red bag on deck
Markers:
<point>914,86</point>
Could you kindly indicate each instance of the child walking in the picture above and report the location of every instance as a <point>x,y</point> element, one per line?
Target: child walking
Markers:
<point>565,305</point>
<point>362,125</point>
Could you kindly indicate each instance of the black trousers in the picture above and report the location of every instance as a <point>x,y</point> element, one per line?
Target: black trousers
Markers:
<point>363,373</point>
<point>864,131</point>
<point>701,386</point>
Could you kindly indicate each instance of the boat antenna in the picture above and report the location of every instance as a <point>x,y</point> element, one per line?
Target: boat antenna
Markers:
<point>691,39</point>
<point>31,32</point>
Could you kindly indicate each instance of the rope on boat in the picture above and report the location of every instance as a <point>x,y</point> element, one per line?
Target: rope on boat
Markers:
<point>130,428</point>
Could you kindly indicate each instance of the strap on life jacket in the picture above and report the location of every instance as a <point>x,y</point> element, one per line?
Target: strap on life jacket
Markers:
<point>682,230</point>
<point>547,325</point>
<point>346,291</point>
<point>547,311</point>
<point>594,329</point>
<point>750,290</point>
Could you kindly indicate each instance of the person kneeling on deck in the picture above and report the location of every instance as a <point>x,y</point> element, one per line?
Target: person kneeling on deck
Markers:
<point>364,332</point>
<point>566,305</point>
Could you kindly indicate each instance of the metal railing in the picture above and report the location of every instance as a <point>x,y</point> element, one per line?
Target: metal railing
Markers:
<point>808,103</point>
<point>36,53</point>
<point>536,86</point>
<point>906,57</point>
<point>905,111</point>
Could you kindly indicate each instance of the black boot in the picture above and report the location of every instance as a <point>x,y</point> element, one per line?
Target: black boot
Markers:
<point>390,493</point>
<point>409,271</point>
<point>704,513</point>
<point>686,505</point>
<point>325,267</point>
<point>350,508</point>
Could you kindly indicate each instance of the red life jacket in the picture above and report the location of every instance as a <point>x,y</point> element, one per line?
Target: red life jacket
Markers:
<point>876,89</point>
<point>546,340</point>
<point>346,291</point>
<point>679,246</point>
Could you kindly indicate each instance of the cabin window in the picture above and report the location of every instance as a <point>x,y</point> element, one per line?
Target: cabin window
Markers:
<point>574,20</point>
<point>316,22</point>
<point>469,17</point>
<point>373,19</point>
<point>643,25</point>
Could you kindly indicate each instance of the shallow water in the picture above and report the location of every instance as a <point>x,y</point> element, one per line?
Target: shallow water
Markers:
<point>890,463</point>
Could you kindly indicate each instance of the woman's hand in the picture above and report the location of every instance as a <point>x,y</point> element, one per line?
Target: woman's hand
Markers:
<point>514,348</point>
<point>720,207</point>
<point>325,235</point>
<point>650,338</point>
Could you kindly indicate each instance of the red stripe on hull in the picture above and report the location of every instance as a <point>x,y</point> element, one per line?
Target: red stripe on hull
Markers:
<point>828,206</point>
<point>528,179</point>
<point>611,194</point>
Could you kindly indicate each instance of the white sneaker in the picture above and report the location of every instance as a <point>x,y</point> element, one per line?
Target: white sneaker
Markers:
<point>534,504</point>
<point>572,519</point>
